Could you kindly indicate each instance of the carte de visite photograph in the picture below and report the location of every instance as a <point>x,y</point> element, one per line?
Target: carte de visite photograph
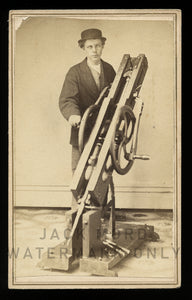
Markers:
<point>94,149</point>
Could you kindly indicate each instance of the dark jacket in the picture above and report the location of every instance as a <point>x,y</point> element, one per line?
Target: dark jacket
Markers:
<point>79,91</point>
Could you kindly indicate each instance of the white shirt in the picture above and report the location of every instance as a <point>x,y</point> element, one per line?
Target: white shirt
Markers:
<point>95,67</point>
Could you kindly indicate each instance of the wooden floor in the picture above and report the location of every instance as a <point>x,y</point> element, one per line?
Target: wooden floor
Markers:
<point>37,230</point>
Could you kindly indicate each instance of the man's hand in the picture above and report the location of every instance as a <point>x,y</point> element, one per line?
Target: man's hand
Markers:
<point>74,120</point>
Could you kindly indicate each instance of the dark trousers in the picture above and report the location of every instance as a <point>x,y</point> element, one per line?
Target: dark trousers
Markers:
<point>74,161</point>
<point>75,158</point>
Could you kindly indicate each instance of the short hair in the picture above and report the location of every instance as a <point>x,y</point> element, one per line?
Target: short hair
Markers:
<point>82,42</point>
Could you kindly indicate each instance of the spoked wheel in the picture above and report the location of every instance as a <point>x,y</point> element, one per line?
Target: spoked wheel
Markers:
<point>87,124</point>
<point>121,145</point>
<point>89,119</point>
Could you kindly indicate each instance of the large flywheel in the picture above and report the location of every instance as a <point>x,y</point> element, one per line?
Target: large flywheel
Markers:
<point>87,124</point>
<point>121,144</point>
<point>89,118</point>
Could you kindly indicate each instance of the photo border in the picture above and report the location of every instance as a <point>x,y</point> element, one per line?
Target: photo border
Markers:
<point>177,209</point>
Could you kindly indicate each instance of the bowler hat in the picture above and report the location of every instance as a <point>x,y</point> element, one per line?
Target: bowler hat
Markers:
<point>90,34</point>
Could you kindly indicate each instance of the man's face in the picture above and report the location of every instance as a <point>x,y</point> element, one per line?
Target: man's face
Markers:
<point>93,49</point>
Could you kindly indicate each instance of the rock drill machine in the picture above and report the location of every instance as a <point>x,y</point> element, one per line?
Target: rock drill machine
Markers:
<point>108,136</point>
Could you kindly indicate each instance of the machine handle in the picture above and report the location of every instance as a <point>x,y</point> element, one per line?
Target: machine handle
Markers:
<point>143,157</point>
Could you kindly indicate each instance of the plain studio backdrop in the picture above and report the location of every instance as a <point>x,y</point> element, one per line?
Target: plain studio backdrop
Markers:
<point>44,50</point>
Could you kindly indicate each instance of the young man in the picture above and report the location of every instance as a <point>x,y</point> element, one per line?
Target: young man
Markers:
<point>83,84</point>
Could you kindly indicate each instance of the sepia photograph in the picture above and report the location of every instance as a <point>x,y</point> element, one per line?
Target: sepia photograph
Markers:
<point>94,149</point>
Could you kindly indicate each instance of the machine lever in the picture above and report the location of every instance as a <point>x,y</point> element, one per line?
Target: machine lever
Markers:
<point>143,157</point>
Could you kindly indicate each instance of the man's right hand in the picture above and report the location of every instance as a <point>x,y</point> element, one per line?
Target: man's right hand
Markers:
<point>74,120</point>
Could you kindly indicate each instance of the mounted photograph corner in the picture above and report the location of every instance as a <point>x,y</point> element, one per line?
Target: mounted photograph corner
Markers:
<point>94,149</point>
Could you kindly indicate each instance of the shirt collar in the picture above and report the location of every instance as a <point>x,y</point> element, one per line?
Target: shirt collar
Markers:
<point>95,67</point>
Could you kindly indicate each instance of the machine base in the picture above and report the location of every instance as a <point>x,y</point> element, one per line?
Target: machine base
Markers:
<point>97,251</point>
<point>127,239</point>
